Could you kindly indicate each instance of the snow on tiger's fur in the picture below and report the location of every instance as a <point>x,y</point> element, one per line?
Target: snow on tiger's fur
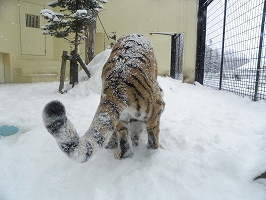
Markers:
<point>131,101</point>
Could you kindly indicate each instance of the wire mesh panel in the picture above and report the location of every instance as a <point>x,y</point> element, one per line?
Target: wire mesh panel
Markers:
<point>213,49</point>
<point>235,50</point>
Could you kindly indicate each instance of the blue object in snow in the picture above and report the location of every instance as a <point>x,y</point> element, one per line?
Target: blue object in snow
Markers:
<point>6,130</point>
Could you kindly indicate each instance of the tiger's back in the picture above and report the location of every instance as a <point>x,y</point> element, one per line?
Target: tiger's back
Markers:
<point>131,101</point>
<point>130,77</point>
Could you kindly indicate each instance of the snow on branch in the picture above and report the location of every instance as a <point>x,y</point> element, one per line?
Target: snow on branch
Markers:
<point>47,14</point>
<point>51,15</point>
<point>55,2</point>
<point>102,1</point>
<point>82,14</point>
<point>74,17</point>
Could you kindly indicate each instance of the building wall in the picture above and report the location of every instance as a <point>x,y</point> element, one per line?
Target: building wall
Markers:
<point>156,16</point>
<point>29,56</point>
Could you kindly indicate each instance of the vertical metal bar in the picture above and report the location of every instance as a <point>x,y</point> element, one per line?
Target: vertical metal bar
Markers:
<point>173,56</point>
<point>201,37</point>
<point>222,59</point>
<point>255,98</point>
<point>178,63</point>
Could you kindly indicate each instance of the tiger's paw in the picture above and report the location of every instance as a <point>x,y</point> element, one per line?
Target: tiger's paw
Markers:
<point>152,146</point>
<point>127,154</point>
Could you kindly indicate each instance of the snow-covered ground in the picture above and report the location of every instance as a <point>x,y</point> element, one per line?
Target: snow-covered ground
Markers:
<point>214,144</point>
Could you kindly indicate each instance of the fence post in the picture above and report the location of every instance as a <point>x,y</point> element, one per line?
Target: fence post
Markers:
<point>222,58</point>
<point>201,37</point>
<point>63,72</point>
<point>255,98</point>
<point>173,56</point>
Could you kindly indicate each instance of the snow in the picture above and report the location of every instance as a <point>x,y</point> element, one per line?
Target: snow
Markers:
<point>49,14</point>
<point>213,146</point>
<point>81,14</point>
<point>53,3</point>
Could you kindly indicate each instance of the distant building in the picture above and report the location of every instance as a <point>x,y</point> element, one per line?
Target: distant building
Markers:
<point>249,71</point>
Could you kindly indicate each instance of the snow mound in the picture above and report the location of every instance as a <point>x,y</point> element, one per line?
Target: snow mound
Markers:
<point>91,85</point>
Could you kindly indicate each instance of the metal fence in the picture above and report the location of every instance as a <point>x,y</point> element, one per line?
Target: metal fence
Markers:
<point>235,57</point>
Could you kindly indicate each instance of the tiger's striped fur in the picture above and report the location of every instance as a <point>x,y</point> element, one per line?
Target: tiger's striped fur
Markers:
<point>131,101</point>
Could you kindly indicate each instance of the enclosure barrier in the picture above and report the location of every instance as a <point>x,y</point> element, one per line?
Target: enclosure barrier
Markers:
<point>234,47</point>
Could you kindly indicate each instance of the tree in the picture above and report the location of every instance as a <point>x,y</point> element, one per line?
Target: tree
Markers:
<point>74,18</point>
<point>90,33</point>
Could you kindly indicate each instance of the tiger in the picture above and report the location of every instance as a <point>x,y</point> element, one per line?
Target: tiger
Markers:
<point>131,102</point>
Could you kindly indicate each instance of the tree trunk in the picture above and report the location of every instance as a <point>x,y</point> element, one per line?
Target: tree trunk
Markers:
<point>74,62</point>
<point>73,56</point>
<point>90,33</point>
<point>73,69</point>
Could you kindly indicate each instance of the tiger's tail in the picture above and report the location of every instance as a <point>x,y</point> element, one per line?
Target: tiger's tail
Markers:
<point>59,126</point>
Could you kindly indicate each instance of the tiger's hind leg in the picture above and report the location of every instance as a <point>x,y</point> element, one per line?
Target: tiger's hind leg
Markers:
<point>153,125</point>
<point>153,129</point>
<point>136,128</point>
<point>124,149</point>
